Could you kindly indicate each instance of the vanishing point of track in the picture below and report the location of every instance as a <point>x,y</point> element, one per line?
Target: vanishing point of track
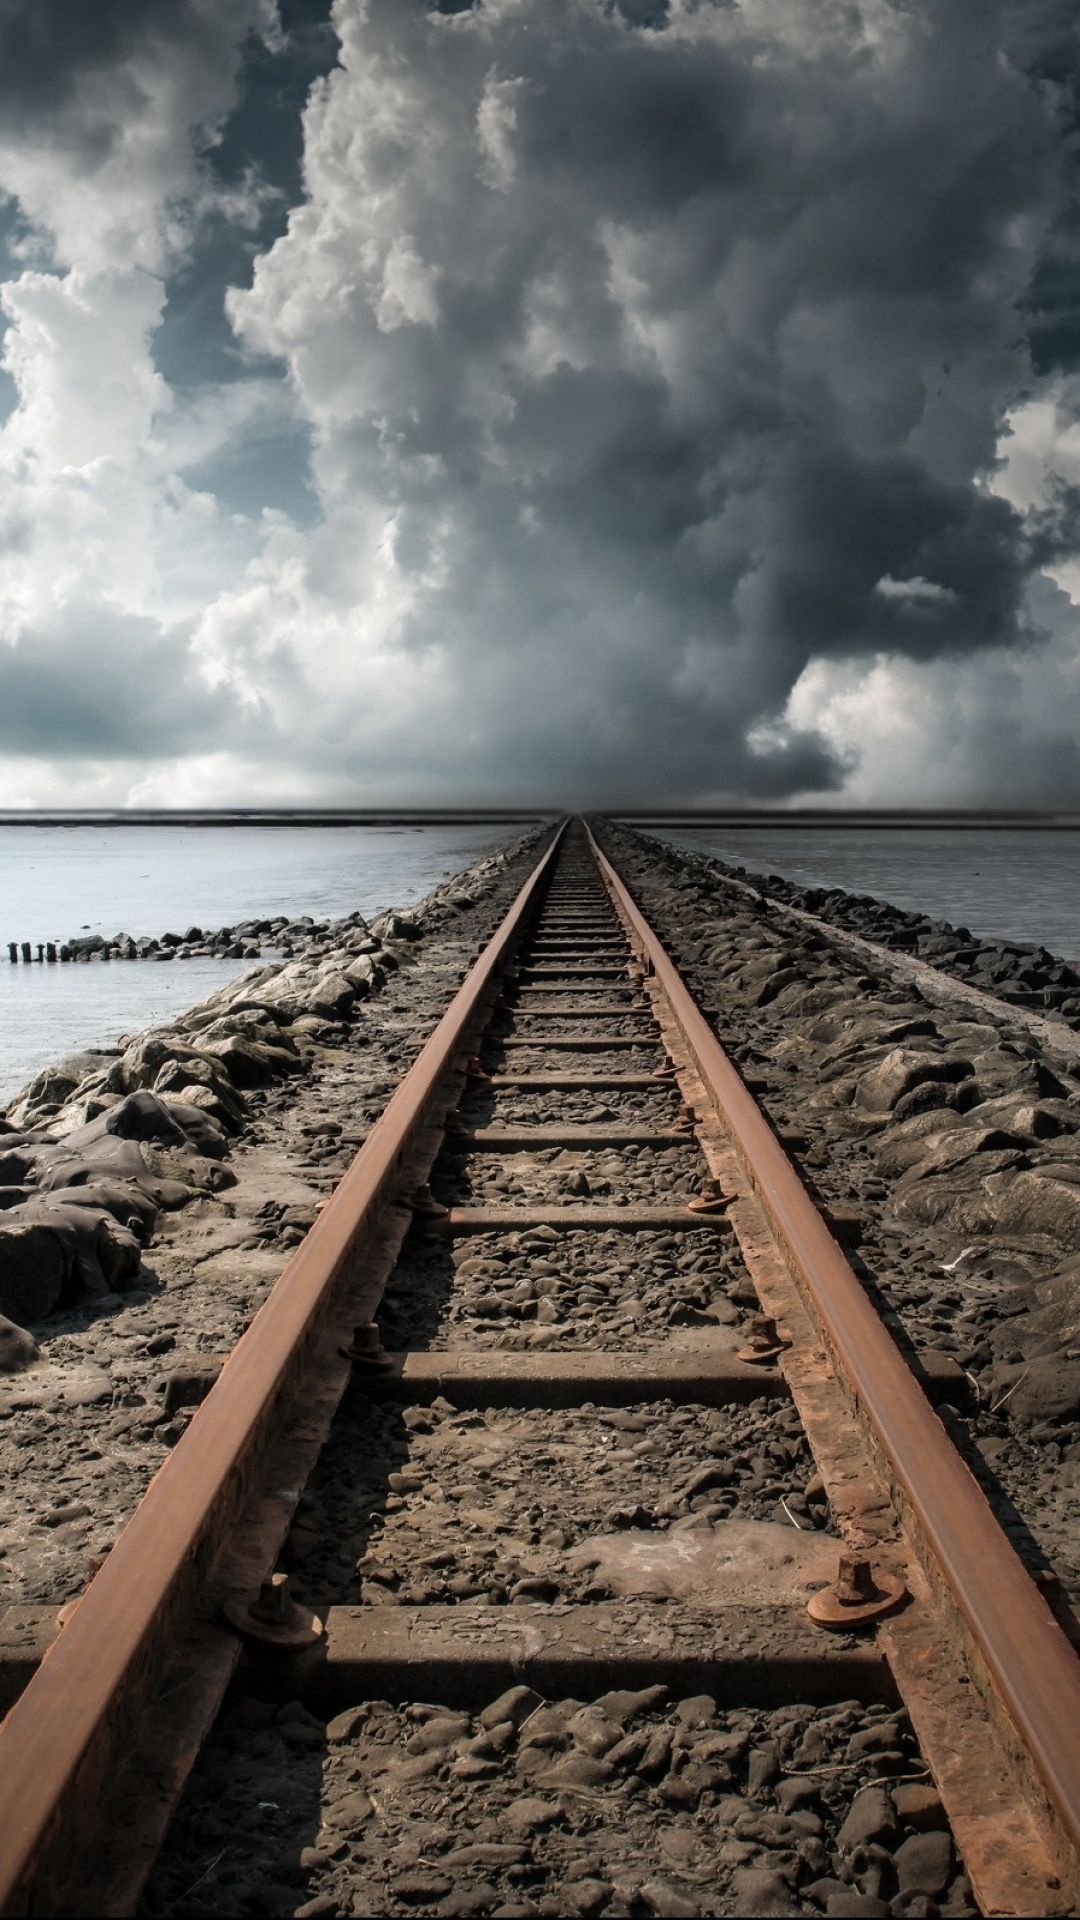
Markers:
<point>926,1601</point>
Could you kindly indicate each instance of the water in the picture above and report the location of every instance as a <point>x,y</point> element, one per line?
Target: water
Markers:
<point>56,882</point>
<point>1004,883</point>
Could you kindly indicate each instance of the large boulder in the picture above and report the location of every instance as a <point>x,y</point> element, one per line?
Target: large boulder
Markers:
<point>364,974</point>
<point>18,1349</point>
<point>1044,1203</point>
<point>248,1062</point>
<point>331,994</point>
<point>54,1085</point>
<point>907,1142</point>
<point>144,1117</point>
<point>103,1157</point>
<point>98,1255</point>
<point>33,1266</point>
<point>180,1079</point>
<point>222,1106</point>
<point>944,1152</point>
<point>1036,1207</point>
<point>1046,1387</point>
<point>162,1145</point>
<point>262,1024</point>
<point>397,926</point>
<point>148,1053</point>
<point>16,1164</point>
<point>130,1205</point>
<point>1028,1119</point>
<point>903,1068</point>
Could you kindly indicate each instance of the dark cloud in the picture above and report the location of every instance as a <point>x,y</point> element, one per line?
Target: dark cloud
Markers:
<point>261,136</point>
<point>48,48</point>
<point>652,354</point>
<point>102,684</point>
<point>680,354</point>
<point>1043,38</point>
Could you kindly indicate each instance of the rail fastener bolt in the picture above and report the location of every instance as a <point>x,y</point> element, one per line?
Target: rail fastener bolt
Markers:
<point>475,1068</point>
<point>711,1199</point>
<point>862,1593</point>
<point>274,1618</point>
<point>685,1118</point>
<point>424,1205</point>
<point>765,1341</point>
<point>367,1349</point>
<point>663,1073</point>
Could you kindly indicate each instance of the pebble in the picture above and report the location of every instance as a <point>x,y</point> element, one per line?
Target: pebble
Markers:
<point>924,1863</point>
<point>872,1818</point>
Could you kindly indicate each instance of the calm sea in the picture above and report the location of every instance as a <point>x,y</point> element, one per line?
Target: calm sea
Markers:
<point>59,881</point>
<point>1003,882</point>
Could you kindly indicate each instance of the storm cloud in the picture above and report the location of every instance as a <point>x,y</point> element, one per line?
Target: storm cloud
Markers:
<point>655,367</point>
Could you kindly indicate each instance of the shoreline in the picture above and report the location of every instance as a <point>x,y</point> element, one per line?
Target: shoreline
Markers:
<point>1022,973</point>
<point>272,817</point>
<point>108,1137</point>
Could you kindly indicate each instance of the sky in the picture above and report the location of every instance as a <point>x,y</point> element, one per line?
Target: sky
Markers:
<point>578,402</point>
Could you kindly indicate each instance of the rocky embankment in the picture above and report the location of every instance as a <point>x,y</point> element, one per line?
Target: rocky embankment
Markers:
<point>97,1146</point>
<point>1016,971</point>
<point>945,1137</point>
<point>191,1176</point>
<point>281,937</point>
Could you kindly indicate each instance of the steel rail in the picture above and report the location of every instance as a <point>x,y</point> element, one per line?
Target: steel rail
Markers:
<point>1030,1663</point>
<point>58,1741</point>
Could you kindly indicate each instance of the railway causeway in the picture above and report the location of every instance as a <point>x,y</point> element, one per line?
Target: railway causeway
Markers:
<point>431,1609</point>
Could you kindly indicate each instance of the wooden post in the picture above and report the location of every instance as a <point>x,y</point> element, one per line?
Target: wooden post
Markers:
<point>25,951</point>
<point>50,950</point>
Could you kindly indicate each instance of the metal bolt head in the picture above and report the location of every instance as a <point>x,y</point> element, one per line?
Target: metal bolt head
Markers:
<point>854,1580</point>
<point>711,1198</point>
<point>766,1340</point>
<point>273,1604</point>
<point>861,1594</point>
<point>367,1350</point>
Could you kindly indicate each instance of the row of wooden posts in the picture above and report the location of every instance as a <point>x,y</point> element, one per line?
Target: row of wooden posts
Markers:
<point>45,951</point>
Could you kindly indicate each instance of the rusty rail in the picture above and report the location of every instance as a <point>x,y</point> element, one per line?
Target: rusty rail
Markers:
<point>1032,1669</point>
<point>86,1710</point>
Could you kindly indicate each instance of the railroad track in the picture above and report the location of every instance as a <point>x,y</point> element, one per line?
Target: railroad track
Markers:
<point>645,1504</point>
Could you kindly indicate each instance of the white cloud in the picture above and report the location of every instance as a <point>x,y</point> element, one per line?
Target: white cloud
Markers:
<point>1000,729</point>
<point>78,349</point>
<point>105,158</point>
<point>915,589</point>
